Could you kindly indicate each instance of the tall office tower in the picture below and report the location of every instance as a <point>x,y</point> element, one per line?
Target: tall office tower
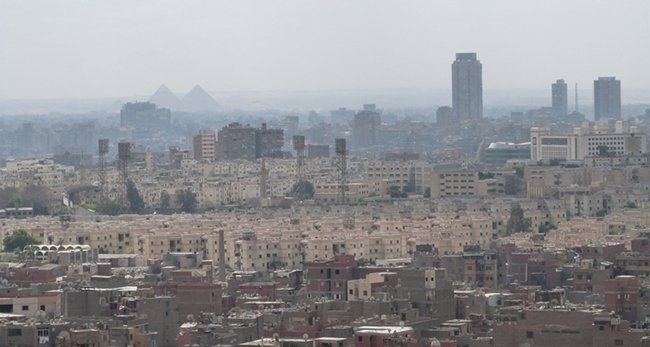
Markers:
<point>467,86</point>
<point>607,98</point>
<point>366,127</point>
<point>205,145</point>
<point>560,102</point>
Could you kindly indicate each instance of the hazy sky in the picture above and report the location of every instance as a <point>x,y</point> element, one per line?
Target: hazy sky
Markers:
<point>51,49</point>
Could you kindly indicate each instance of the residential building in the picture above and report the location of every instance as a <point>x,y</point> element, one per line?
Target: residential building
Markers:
<point>204,146</point>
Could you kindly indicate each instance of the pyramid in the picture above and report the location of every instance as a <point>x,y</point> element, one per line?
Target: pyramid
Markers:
<point>198,100</point>
<point>164,97</point>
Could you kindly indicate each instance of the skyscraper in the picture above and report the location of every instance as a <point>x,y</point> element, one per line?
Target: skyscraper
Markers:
<point>607,98</point>
<point>560,102</point>
<point>467,86</point>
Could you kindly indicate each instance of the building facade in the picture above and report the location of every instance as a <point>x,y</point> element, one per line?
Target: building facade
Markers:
<point>205,144</point>
<point>560,102</point>
<point>467,86</point>
<point>607,98</point>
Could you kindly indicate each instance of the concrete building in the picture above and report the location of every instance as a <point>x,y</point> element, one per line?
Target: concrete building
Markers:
<point>268,142</point>
<point>588,141</point>
<point>145,117</point>
<point>237,141</point>
<point>607,98</point>
<point>467,86</point>
<point>498,153</point>
<point>318,151</point>
<point>366,127</point>
<point>329,278</point>
<point>560,102</point>
<point>204,146</point>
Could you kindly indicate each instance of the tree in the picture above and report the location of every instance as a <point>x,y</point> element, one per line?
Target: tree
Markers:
<point>111,208</point>
<point>485,175</point>
<point>395,192</point>
<point>302,190</point>
<point>164,200</point>
<point>186,198</point>
<point>38,197</point>
<point>427,192</point>
<point>136,204</point>
<point>517,223</point>
<point>18,240</point>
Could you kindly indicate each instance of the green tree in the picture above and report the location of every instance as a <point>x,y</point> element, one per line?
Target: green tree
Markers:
<point>302,190</point>
<point>485,175</point>
<point>136,204</point>
<point>18,240</point>
<point>186,198</point>
<point>517,223</point>
<point>165,200</point>
<point>395,192</point>
<point>427,192</point>
<point>111,208</point>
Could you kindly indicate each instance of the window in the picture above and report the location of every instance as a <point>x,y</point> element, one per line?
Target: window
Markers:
<point>42,308</point>
<point>529,334</point>
<point>43,332</point>
<point>14,332</point>
<point>618,342</point>
<point>25,308</point>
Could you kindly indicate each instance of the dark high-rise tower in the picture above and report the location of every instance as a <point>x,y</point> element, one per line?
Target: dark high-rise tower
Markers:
<point>467,86</point>
<point>560,102</point>
<point>607,98</point>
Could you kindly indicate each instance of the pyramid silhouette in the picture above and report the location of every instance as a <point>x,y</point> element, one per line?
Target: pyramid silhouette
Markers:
<point>164,97</point>
<point>198,100</point>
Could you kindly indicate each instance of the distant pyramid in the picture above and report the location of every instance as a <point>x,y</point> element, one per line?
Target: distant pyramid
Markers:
<point>198,100</point>
<point>164,97</point>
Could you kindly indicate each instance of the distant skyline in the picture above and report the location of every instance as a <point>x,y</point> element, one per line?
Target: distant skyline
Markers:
<point>74,49</point>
